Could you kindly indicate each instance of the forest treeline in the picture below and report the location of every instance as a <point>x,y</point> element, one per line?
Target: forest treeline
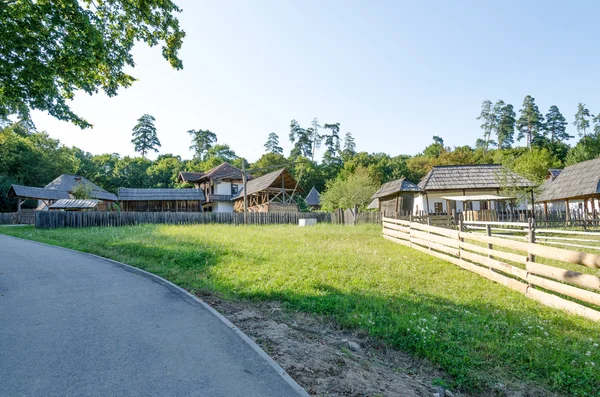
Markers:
<point>33,158</point>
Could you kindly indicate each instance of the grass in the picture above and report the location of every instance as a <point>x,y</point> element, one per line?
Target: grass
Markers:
<point>479,332</point>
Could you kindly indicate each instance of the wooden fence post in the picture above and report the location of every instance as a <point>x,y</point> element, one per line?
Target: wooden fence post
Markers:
<point>531,237</point>
<point>488,231</point>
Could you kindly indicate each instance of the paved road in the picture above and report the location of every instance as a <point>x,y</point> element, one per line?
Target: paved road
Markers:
<point>75,325</point>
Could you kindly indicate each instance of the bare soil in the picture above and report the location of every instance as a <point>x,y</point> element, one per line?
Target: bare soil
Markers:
<point>322,358</point>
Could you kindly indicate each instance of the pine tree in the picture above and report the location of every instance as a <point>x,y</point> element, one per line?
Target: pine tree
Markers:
<point>530,123</point>
<point>581,119</point>
<point>505,124</point>
<point>301,139</point>
<point>349,146</point>
<point>202,142</point>
<point>556,125</point>
<point>488,116</point>
<point>144,135</point>
<point>314,136</point>
<point>272,145</point>
<point>332,143</point>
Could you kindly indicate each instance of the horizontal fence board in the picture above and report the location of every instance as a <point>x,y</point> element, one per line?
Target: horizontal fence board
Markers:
<point>399,228</point>
<point>397,221</point>
<point>560,303</point>
<point>435,246</point>
<point>498,254</point>
<point>437,230</point>
<point>397,234</point>
<point>435,238</point>
<point>569,276</point>
<point>495,264</point>
<point>564,289</point>
<point>395,240</point>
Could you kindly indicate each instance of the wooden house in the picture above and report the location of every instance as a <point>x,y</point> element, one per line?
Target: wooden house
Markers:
<point>219,184</point>
<point>450,188</point>
<point>575,187</point>
<point>161,200</point>
<point>273,192</point>
<point>396,196</point>
<point>313,199</point>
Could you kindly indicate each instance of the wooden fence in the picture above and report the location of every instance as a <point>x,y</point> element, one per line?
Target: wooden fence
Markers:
<point>354,217</point>
<point>516,267</point>
<point>61,219</point>
<point>8,218</point>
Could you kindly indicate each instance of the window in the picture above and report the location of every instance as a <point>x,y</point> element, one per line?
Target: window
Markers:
<point>438,208</point>
<point>483,205</point>
<point>234,189</point>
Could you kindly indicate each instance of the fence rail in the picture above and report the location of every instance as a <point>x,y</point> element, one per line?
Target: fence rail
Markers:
<point>62,219</point>
<point>515,267</point>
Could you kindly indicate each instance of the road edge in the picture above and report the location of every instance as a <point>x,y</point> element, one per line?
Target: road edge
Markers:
<point>190,298</point>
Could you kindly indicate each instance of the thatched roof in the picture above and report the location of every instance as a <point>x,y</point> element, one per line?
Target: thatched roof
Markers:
<point>270,180</point>
<point>313,197</point>
<point>74,204</point>
<point>126,194</point>
<point>393,187</point>
<point>485,176</point>
<point>37,193</point>
<point>575,181</point>
<point>67,182</point>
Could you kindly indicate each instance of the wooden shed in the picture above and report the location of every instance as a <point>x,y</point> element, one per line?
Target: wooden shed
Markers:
<point>273,192</point>
<point>161,200</point>
<point>396,196</point>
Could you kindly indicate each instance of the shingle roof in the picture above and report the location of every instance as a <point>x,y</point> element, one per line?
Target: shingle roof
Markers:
<point>272,179</point>
<point>553,172</point>
<point>190,176</point>
<point>399,185</point>
<point>222,171</point>
<point>485,176</point>
<point>313,197</point>
<point>38,193</point>
<point>67,182</point>
<point>374,205</point>
<point>126,194</point>
<point>577,180</point>
<point>74,204</point>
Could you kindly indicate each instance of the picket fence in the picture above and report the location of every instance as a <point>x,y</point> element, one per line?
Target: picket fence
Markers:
<point>516,267</point>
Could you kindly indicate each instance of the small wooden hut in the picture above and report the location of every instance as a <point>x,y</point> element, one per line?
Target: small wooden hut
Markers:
<point>313,199</point>
<point>396,196</point>
<point>273,192</point>
<point>161,200</point>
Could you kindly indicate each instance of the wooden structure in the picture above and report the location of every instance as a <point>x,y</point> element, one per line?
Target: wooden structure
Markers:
<point>396,196</point>
<point>75,205</point>
<point>313,199</point>
<point>161,200</point>
<point>273,192</point>
<point>219,184</point>
<point>576,183</point>
<point>521,269</point>
<point>469,180</point>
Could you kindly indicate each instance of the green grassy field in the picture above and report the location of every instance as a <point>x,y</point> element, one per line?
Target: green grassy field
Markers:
<point>479,332</point>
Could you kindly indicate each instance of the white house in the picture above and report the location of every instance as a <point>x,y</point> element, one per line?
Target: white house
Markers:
<point>470,187</point>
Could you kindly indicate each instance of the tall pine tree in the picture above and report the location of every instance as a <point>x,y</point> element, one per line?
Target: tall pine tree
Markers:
<point>144,135</point>
<point>488,125</point>
<point>272,145</point>
<point>349,146</point>
<point>582,122</point>
<point>202,142</point>
<point>530,123</point>
<point>505,124</point>
<point>555,126</point>
<point>301,139</point>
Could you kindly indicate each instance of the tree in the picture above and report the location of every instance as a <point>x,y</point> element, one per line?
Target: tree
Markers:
<point>164,171</point>
<point>556,125</point>
<point>534,164</point>
<point>530,122</point>
<point>349,146</point>
<point>301,139</point>
<point>581,119</point>
<point>356,189</point>
<point>272,145</point>
<point>202,141</point>
<point>144,135</point>
<point>436,148</point>
<point>82,191</point>
<point>51,49</point>
<point>489,123</point>
<point>505,126</point>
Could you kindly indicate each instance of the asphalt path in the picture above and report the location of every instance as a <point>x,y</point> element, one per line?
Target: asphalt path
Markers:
<point>72,324</point>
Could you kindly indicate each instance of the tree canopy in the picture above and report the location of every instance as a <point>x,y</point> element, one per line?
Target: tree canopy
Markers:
<point>144,135</point>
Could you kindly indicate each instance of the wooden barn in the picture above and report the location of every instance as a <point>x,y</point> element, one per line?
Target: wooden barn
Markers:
<point>396,196</point>
<point>273,192</point>
<point>161,200</point>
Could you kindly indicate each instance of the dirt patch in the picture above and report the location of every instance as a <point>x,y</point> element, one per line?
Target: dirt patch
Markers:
<point>328,361</point>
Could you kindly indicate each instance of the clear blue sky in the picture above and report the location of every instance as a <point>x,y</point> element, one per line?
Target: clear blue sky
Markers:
<point>393,73</point>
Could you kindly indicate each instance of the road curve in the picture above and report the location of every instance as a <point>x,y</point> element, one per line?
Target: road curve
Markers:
<point>72,324</point>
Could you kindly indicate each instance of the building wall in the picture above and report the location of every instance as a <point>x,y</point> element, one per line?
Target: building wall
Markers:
<point>218,207</point>
<point>420,202</point>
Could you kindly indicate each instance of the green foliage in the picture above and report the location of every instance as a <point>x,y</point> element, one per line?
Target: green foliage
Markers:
<point>144,135</point>
<point>82,191</point>
<point>272,144</point>
<point>479,332</point>
<point>349,146</point>
<point>556,125</point>
<point>505,127</point>
<point>53,48</point>
<point>488,125</point>
<point>267,163</point>
<point>436,148</point>
<point>300,137</point>
<point>202,141</point>
<point>530,123</point>
<point>534,164</point>
<point>356,189</point>
<point>582,122</point>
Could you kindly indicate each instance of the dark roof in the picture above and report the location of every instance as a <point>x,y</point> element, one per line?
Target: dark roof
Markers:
<point>553,173</point>
<point>485,176</point>
<point>272,179</point>
<point>577,180</point>
<point>38,193</point>
<point>67,182</point>
<point>190,176</point>
<point>126,194</point>
<point>399,185</point>
<point>313,197</point>
<point>74,204</point>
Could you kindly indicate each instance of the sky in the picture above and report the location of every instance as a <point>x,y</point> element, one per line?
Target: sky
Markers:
<point>393,73</point>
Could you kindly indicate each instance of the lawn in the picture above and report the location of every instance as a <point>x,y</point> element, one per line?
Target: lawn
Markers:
<point>479,332</point>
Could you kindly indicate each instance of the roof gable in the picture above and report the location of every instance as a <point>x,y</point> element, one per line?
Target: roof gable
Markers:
<point>272,179</point>
<point>396,186</point>
<point>577,180</point>
<point>37,193</point>
<point>313,197</point>
<point>67,182</point>
<point>485,176</point>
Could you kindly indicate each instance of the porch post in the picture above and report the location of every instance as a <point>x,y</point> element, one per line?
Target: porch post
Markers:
<point>567,213</point>
<point>19,210</point>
